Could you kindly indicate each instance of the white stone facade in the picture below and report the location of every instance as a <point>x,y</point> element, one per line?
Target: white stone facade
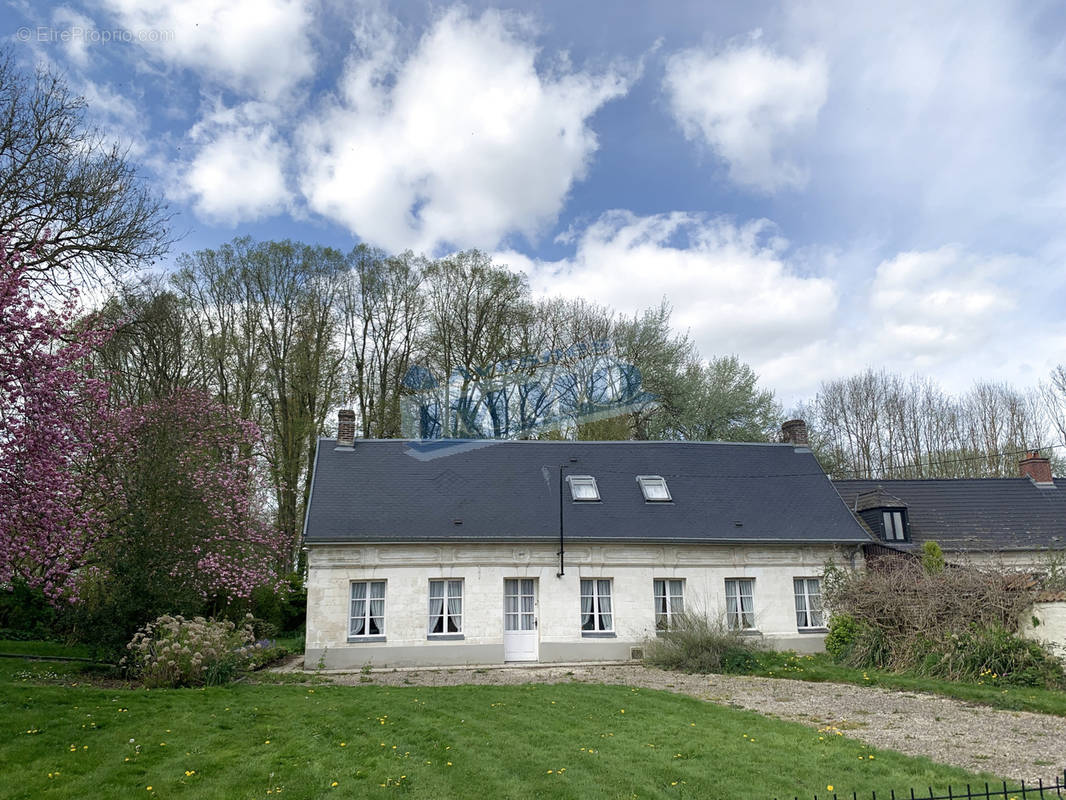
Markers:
<point>407,570</point>
<point>1046,622</point>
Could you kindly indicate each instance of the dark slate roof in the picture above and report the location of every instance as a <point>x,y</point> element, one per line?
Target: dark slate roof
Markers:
<point>399,490</point>
<point>982,514</point>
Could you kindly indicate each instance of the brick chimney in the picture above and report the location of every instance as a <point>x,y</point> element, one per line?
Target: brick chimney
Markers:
<point>1035,468</point>
<point>345,428</point>
<point>795,432</point>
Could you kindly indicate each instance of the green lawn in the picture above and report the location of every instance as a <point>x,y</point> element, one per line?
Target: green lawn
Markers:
<point>38,648</point>
<point>563,741</point>
<point>820,668</point>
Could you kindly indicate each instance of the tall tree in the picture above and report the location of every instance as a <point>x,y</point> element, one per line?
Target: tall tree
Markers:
<point>69,201</point>
<point>295,289</point>
<point>383,313</point>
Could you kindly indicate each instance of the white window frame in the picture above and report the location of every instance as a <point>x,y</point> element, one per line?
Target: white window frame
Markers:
<point>650,482</point>
<point>668,602</point>
<point>806,611</point>
<point>894,525</point>
<point>600,605</point>
<point>585,481</point>
<point>366,618</point>
<point>451,589</point>
<point>741,618</point>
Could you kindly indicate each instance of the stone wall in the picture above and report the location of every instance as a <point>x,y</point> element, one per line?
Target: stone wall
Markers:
<point>408,568</point>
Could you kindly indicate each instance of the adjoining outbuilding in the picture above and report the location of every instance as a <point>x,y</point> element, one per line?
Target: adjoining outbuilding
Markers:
<point>1017,523</point>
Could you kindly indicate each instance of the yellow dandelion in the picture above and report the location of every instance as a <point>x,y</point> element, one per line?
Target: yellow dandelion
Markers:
<point>344,744</point>
<point>148,788</point>
<point>829,788</point>
<point>335,783</point>
<point>449,763</point>
<point>267,742</point>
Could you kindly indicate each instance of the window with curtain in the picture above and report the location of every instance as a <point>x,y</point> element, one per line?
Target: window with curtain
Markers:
<point>445,606</point>
<point>367,615</point>
<point>596,605</point>
<point>808,603</point>
<point>740,603</point>
<point>669,600</point>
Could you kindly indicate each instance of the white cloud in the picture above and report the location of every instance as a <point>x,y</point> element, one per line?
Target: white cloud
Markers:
<point>462,142</point>
<point>238,171</point>
<point>73,23</point>
<point>749,105</point>
<point>258,47</point>
<point>936,305</point>
<point>730,285</point>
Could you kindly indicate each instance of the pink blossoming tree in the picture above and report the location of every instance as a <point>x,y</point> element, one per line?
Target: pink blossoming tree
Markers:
<point>49,434</point>
<point>187,522</point>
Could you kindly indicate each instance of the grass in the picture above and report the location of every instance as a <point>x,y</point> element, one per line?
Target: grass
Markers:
<point>45,649</point>
<point>564,741</point>
<point>820,668</point>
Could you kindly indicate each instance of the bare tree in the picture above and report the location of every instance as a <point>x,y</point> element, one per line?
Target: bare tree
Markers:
<point>70,202</point>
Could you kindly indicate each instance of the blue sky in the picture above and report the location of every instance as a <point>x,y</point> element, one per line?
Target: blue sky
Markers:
<point>816,187</point>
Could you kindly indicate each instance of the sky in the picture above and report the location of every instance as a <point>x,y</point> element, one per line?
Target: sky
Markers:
<point>815,187</point>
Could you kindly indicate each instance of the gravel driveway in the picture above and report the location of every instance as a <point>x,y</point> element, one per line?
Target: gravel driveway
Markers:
<point>1014,744</point>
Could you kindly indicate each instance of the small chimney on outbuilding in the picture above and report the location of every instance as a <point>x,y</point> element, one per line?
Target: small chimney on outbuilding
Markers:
<point>345,428</point>
<point>1036,468</point>
<point>794,432</point>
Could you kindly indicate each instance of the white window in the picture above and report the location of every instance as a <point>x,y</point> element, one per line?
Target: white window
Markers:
<point>368,609</point>
<point>740,603</point>
<point>583,488</point>
<point>445,607</point>
<point>669,601</point>
<point>596,605</point>
<point>808,603</point>
<point>654,488</point>
<point>893,521</point>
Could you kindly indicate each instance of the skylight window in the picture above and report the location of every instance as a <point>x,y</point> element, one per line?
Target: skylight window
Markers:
<point>583,488</point>
<point>654,488</point>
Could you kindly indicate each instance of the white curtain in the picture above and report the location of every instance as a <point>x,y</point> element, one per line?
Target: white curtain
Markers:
<point>605,605</point>
<point>436,606</point>
<point>586,606</point>
<point>377,608</point>
<point>455,606</point>
<point>358,626</point>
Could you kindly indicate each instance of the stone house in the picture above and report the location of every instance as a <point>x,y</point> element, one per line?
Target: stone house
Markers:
<point>455,552</point>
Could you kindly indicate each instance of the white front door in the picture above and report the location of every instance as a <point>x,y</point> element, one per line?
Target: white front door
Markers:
<point>519,619</point>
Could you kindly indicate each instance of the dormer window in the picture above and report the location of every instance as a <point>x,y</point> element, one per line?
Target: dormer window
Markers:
<point>583,488</point>
<point>894,526</point>
<point>654,488</point>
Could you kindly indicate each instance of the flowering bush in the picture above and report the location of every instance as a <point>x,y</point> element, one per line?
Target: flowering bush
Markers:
<point>174,651</point>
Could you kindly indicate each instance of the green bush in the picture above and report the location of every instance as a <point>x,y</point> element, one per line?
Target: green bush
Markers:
<point>695,643</point>
<point>174,651</point>
<point>25,613</point>
<point>841,637</point>
<point>932,558</point>
<point>993,655</point>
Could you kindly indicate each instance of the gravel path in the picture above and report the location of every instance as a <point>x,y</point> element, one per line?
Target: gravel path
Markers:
<point>1014,744</point>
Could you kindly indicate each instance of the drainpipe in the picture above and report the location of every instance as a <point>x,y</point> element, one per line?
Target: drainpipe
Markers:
<point>562,565</point>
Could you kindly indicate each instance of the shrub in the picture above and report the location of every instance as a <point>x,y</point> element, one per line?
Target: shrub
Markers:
<point>957,624</point>
<point>993,655</point>
<point>841,637</point>
<point>174,651</point>
<point>695,643</point>
<point>932,558</point>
